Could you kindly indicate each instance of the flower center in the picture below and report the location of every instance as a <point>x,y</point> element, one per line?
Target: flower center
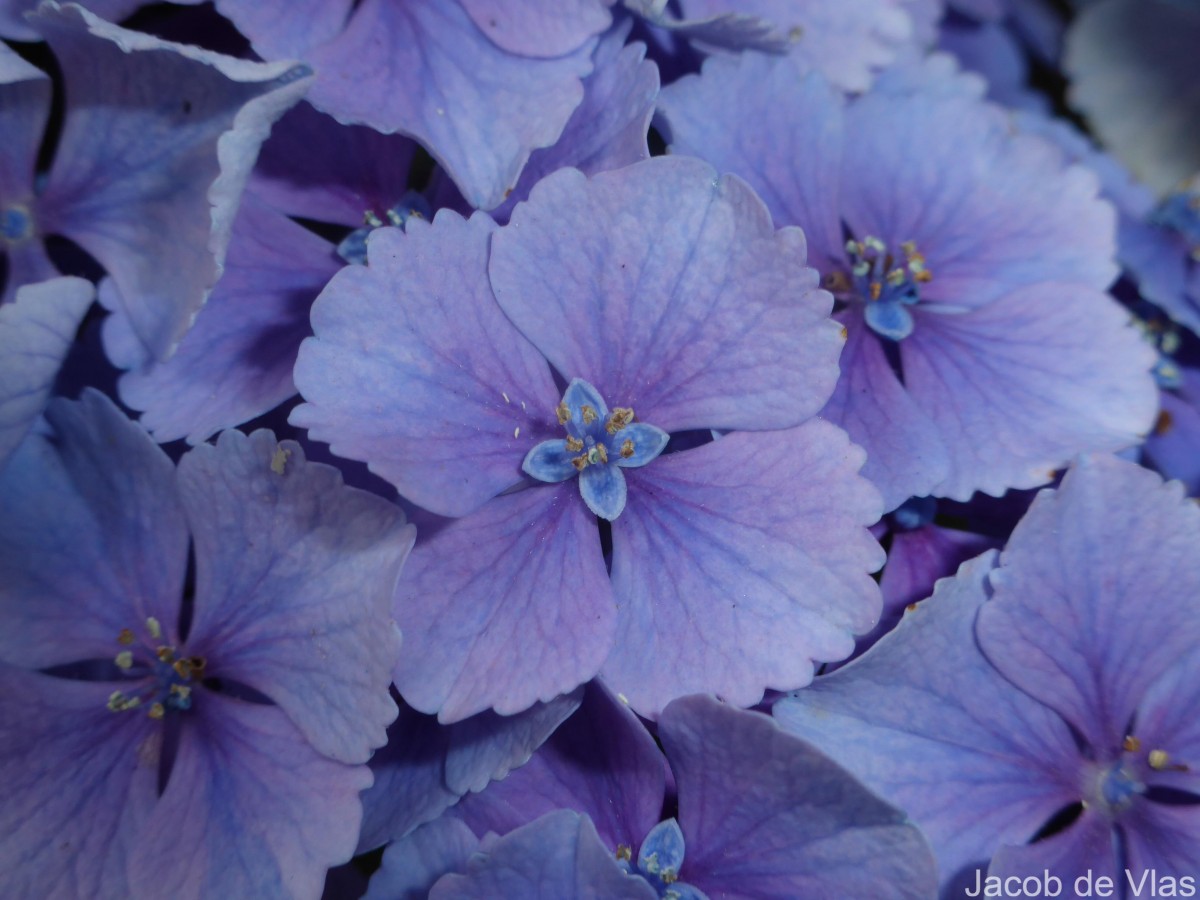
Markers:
<point>886,285</point>
<point>165,677</point>
<point>1118,787</point>
<point>16,224</point>
<point>658,862</point>
<point>353,248</point>
<point>598,445</point>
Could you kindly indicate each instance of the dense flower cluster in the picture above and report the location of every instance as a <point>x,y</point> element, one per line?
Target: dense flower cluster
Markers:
<point>599,448</point>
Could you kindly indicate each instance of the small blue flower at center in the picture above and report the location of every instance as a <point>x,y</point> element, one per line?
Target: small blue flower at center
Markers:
<point>166,679</point>
<point>598,445</point>
<point>659,861</point>
<point>16,224</point>
<point>884,284</point>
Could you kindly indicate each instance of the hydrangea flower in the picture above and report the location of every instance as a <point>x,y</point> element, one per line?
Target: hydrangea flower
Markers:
<point>662,296</point>
<point>1035,712</point>
<point>156,739</point>
<point>969,264</point>
<point>157,141</point>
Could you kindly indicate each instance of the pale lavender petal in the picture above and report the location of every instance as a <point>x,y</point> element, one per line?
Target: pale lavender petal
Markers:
<point>1170,448</point>
<point>1066,625</point>
<point>926,721</point>
<point>505,607</point>
<point>35,334</point>
<point>539,28</point>
<point>27,264</point>
<point>426,767</point>
<point>236,361</point>
<point>157,142</point>
<point>1084,850</point>
<point>739,564</point>
<point>92,540</point>
<point>1162,842</point>
<point>415,369</point>
<point>411,865</point>
<point>725,31</point>
<point>278,28</point>
<point>423,69</point>
<point>1161,726</point>
<point>250,809</point>
<point>1021,385</point>
<point>670,291</point>
<point>766,814</point>
<point>78,782</point>
<point>602,762</point>
<point>14,26</point>
<point>906,455</point>
<point>792,117</point>
<point>557,856</point>
<point>24,108</point>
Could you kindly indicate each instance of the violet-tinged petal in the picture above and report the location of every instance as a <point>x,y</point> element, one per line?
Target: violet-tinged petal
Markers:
<point>316,168</point>
<point>738,564</point>
<point>92,540</point>
<point>426,767</point>
<point>1132,68</point>
<point>24,108</point>
<point>422,68</point>
<point>157,142</point>
<point>725,31</point>
<point>906,454</point>
<point>669,289</point>
<point>1170,448</point>
<point>1065,625</point>
<point>294,578</point>
<point>602,762</point>
<point>412,864</point>
<point>797,118</point>
<point>845,40</point>
<point>14,26</point>
<point>539,28</point>
<point>279,28</point>
<point>416,370</point>
<point>603,490</point>
<point>1163,725</point>
<point>236,361</point>
<point>925,720</point>
<point>27,264</point>
<point>79,780</point>
<point>1162,842</point>
<point>505,607</point>
<point>609,127</point>
<point>35,334</point>
<point>557,856</point>
<point>766,815</point>
<point>1018,387</point>
<point>250,809</point>
<point>1085,848</point>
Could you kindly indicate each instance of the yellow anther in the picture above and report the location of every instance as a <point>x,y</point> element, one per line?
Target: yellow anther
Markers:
<point>1160,761</point>
<point>125,659</point>
<point>1163,423</point>
<point>909,248</point>
<point>563,413</point>
<point>669,876</point>
<point>165,654</point>
<point>876,290</point>
<point>620,417</point>
<point>181,690</point>
<point>626,449</point>
<point>125,637</point>
<point>795,33</point>
<point>182,667</point>
<point>154,628</point>
<point>574,445</point>
<point>1131,744</point>
<point>156,711</point>
<point>625,852</point>
<point>579,462</point>
<point>588,414</point>
<point>369,218</point>
<point>279,460</point>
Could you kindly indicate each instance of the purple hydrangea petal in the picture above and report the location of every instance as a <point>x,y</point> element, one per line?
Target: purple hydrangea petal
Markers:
<point>294,578</point>
<point>27,264</point>
<point>670,291</point>
<point>1085,848</point>
<point>906,454</point>
<point>1129,62</point>
<point>603,490</point>
<point>1018,387</point>
<point>476,396</point>
<point>316,168</point>
<point>709,115</point>
<point>539,28</point>
<point>14,26</point>
<point>1161,840</point>
<point>35,334</point>
<point>725,31</point>
<point>764,813</point>
<point>608,129</point>
<point>1171,447</point>
<point>151,191</point>
<point>1160,726</point>
<point>279,28</point>
<point>412,865</point>
<point>426,767</point>
<point>24,108</point>
<point>739,563</point>
<point>559,855</point>
<point>1059,627</point>
<point>79,781</point>
<point>602,762</point>
<point>236,361</point>
<point>478,109</point>
<point>845,41</point>
<point>92,540</point>
<point>505,607</point>
<point>925,720</point>
<point>250,809</point>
